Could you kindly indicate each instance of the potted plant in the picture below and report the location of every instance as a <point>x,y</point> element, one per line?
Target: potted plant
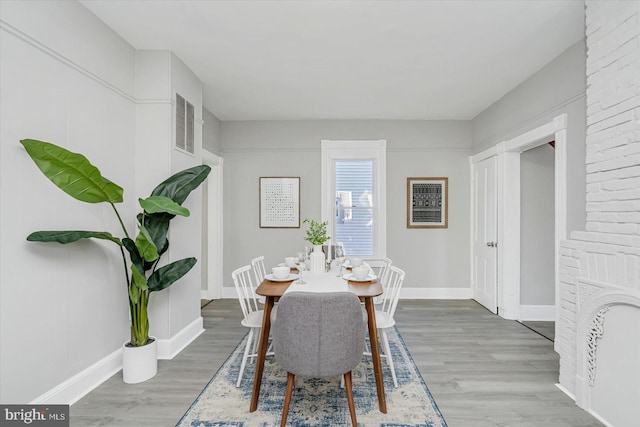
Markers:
<point>317,236</point>
<point>76,176</point>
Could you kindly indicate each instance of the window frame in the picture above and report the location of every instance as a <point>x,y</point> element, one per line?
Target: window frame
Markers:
<point>375,150</point>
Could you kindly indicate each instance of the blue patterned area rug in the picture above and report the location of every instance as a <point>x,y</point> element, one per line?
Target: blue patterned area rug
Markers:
<point>316,401</point>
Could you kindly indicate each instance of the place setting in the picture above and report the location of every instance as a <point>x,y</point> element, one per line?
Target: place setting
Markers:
<point>281,274</point>
<point>357,269</point>
<point>360,274</point>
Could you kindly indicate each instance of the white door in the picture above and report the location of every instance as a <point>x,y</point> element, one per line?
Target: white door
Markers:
<point>485,250</point>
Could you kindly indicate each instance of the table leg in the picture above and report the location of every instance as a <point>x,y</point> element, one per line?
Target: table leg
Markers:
<point>262,352</point>
<point>375,353</point>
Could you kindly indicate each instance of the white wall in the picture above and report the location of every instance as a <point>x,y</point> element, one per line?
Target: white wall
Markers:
<point>537,283</point>
<point>431,257</point>
<point>62,307</point>
<point>211,138</point>
<point>557,88</point>
<point>600,267</point>
<point>159,75</point>
<point>186,233</point>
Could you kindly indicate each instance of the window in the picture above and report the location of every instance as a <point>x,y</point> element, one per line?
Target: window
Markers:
<point>185,121</point>
<point>354,206</point>
<point>353,189</point>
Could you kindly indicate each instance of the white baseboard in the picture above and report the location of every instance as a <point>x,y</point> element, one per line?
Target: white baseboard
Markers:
<point>599,418</point>
<point>435,293</point>
<point>169,348</point>
<point>204,294</point>
<point>542,313</point>
<point>566,391</point>
<point>595,415</point>
<point>405,293</point>
<point>229,292</point>
<point>76,387</point>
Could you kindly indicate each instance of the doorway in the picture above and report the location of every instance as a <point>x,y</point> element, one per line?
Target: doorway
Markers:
<point>537,221</point>
<point>508,191</point>
<point>212,228</point>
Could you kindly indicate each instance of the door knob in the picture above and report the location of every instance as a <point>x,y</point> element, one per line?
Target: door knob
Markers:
<point>492,244</point>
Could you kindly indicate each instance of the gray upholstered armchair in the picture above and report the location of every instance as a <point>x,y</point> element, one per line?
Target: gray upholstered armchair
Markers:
<point>318,335</point>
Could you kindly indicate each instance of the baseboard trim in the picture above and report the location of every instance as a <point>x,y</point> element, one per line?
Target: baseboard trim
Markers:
<point>169,348</point>
<point>540,313</point>
<point>204,294</point>
<point>565,391</point>
<point>75,388</point>
<point>405,293</point>
<point>436,293</point>
<point>599,418</point>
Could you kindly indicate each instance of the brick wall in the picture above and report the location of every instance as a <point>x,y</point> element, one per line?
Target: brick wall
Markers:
<point>608,251</point>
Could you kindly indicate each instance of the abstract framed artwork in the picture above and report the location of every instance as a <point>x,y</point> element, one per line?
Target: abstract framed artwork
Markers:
<point>427,202</point>
<point>279,202</point>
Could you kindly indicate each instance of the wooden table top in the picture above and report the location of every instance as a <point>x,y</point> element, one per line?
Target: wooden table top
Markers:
<point>362,289</point>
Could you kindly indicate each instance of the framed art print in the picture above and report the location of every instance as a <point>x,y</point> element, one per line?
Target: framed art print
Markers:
<point>427,202</point>
<point>279,202</point>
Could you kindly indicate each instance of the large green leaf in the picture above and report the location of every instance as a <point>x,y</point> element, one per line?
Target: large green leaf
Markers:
<point>72,173</point>
<point>145,245</point>
<point>179,186</point>
<point>157,225</point>
<point>165,276</point>
<point>134,255</point>
<point>69,236</point>
<point>161,204</point>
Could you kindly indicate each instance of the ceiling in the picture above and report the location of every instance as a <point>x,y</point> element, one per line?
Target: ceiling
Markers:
<point>290,60</point>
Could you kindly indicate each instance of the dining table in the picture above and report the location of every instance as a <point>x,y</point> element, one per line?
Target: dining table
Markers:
<point>315,282</point>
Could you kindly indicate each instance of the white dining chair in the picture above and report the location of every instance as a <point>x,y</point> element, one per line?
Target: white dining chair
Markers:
<point>252,315</point>
<point>384,316</point>
<point>259,271</point>
<point>383,272</point>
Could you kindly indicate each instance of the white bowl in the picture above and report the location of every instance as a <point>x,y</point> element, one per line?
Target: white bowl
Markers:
<point>360,272</point>
<point>280,272</point>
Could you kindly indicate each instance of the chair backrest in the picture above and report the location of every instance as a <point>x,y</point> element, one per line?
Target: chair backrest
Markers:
<point>384,270</point>
<point>395,278</point>
<point>258,269</point>
<point>318,334</point>
<point>245,289</point>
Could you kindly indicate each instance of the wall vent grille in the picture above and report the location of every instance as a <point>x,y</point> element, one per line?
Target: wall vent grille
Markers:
<point>185,123</point>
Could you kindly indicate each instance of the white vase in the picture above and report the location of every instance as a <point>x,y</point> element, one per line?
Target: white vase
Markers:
<point>139,363</point>
<point>316,260</point>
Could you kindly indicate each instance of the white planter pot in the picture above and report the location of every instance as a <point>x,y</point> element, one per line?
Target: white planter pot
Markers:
<point>139,363</point>
<point>316,260</point>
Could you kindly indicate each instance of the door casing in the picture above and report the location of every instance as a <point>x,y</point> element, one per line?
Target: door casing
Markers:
<point>508,215</point>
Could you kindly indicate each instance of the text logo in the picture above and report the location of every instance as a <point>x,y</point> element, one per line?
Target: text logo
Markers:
<point>34,415</point>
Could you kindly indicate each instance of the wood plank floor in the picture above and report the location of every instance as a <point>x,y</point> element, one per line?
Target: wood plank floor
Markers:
<point>482,371</point>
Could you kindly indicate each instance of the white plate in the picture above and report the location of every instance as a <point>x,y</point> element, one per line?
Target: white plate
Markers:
<point>286,279</point>
<point>353,278</point>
